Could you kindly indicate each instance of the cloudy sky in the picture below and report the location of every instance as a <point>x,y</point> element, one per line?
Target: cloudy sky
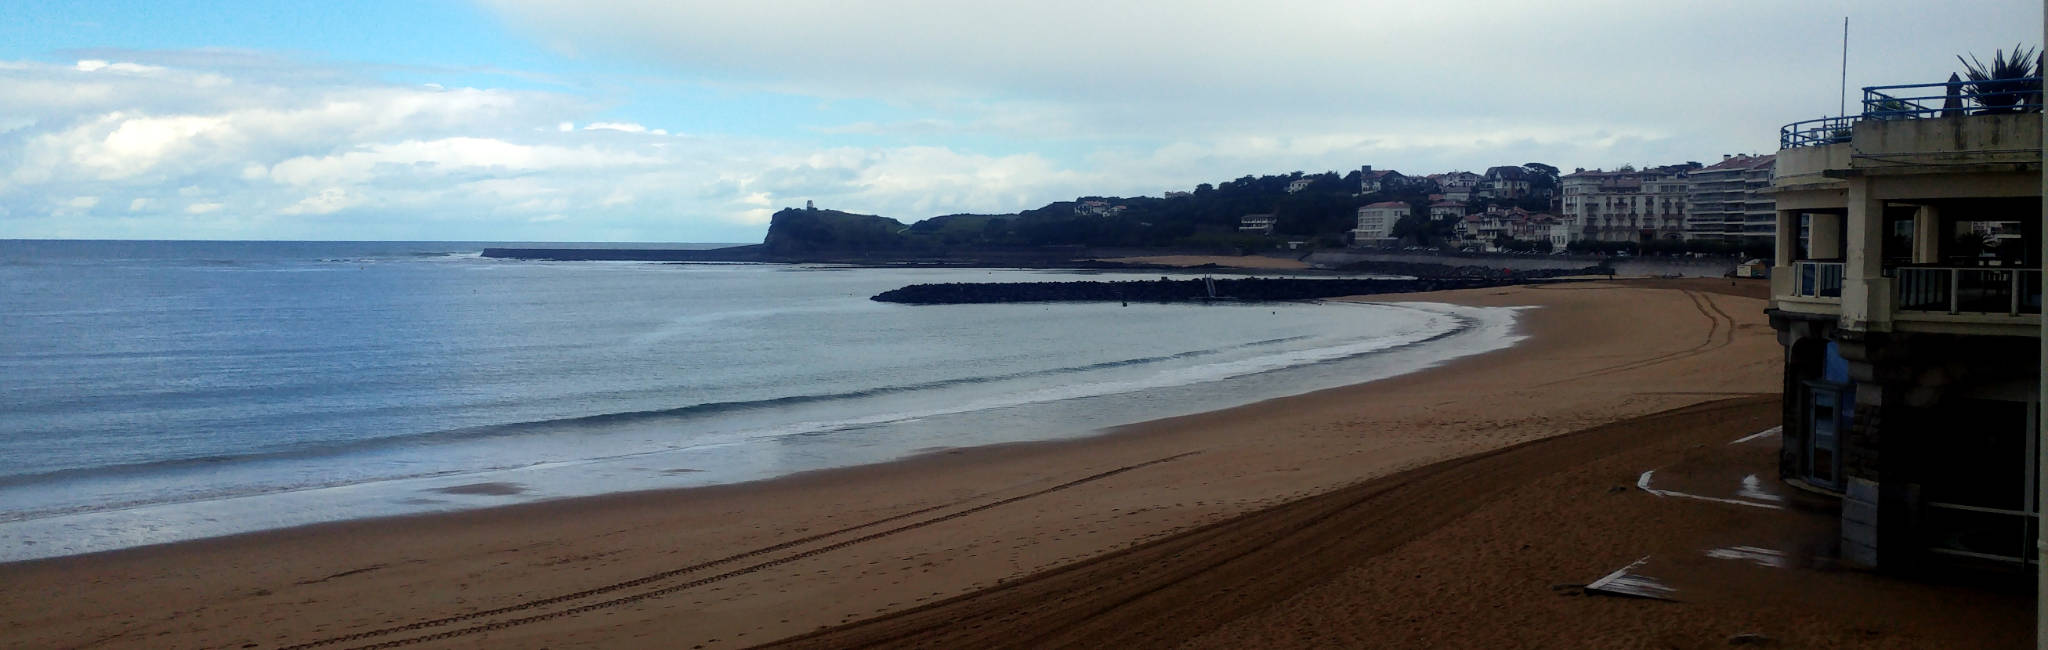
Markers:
<point>681,120</point>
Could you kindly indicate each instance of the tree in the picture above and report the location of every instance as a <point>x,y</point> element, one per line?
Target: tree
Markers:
<point>1998,88</point>
<point>1542,178</point>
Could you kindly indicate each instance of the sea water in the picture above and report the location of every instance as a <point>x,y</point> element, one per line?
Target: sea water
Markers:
<point>161,391</point>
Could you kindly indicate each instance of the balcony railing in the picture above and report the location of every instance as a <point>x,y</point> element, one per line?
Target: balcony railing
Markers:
<point>1816,133</point>
<point>1817,280</point>
<point>1913,101</point>
<point>1967,97</point>
<point>1969,290</point>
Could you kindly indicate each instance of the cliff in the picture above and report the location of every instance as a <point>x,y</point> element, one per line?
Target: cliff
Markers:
<point>795,231</point>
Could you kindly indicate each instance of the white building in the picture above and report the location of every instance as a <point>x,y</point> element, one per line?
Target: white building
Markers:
<point>1261,224</point>
<point>1627,205</point>
<point>1731,200</point>
<point>1458,186</point>
<point>1376,222</point>
<point>1300,184</point>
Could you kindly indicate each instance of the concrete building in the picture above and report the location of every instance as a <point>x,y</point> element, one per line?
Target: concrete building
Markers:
<point>1376,223</point>
<point>1300,184</point>
<point>1912,339</point>
<point>1626,205</point>
<point>1731,201</point>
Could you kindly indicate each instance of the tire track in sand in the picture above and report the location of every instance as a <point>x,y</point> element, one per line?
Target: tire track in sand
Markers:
<point>1719,323</point>
<point>614,602</point>
<point>1166,592</point>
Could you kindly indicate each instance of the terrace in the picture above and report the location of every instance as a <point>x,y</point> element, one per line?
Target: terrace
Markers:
<point>1922,212</point>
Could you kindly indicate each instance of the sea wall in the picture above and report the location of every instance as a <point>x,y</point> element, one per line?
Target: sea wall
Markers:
<point>1712,267</point>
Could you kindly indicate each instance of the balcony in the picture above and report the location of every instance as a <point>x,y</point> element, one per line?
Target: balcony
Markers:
<point>1957,291</point>
<point>1821,280</point>
<point>1911,102</point>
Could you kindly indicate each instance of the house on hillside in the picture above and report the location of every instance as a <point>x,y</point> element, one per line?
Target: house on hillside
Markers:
<point>1376,223</point>
<point>1385,180</point>
<point>1300,184</point>
<point>1446,211</point>
<point>1493,224</point>
<point>1458,186</point>
<point>1259,224</point>
<point>1505,182</point>
<point>1534,228</point>
<point>1912,342</point>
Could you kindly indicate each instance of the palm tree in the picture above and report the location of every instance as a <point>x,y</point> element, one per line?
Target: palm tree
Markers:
<point>2008,85</point>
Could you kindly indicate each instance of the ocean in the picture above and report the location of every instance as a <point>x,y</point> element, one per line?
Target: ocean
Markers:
<point>154,392</point>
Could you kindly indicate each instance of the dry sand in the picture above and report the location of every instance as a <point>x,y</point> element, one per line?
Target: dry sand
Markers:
<point>1227,261</point>
<point>1314,520</point>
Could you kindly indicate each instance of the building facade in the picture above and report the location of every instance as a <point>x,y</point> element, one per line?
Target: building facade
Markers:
<point>1257,224</point>
<point>1446,210</point>
<point>1626,205</point>
<point>1505,182</point>
<point>1376,223</point>
<point>1912,337</point>
<point>1731,201</point>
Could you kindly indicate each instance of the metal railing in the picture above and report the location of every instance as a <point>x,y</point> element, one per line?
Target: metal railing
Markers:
<point>1815,133</point>
<point>1914,101</point>
<point>1959,98</point>
<point>1969,290</point>
<point>1817,280</point>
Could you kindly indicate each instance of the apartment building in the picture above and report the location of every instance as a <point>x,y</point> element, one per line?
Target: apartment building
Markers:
<point>1626,205</point>
<point>1376,223</point>
<point>1731,200</point>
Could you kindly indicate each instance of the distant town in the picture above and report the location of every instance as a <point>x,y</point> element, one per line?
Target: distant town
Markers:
<point>1724,208</point>
<point>1690,207</point>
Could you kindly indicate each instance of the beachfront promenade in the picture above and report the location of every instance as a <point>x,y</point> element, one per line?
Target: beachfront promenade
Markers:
<point>1325,519</point>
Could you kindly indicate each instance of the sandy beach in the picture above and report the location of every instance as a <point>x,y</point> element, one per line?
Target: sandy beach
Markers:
<point>1436,508</point>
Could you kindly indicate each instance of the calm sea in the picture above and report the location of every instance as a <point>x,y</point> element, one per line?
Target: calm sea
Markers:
<point>161,391</point>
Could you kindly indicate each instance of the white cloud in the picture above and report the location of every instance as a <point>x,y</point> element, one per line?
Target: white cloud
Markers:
<point>1165,70</point>
<point>83,202</point>
<point>627,127</point>
<point>967,107</point>
<point>327,201</point>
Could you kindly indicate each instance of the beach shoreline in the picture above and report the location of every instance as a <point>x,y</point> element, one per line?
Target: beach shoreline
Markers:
<point>955,519</point>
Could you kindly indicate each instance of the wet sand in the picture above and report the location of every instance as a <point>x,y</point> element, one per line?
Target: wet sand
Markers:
<point>847,553</point>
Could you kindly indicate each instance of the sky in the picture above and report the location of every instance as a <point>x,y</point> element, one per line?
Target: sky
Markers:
<point>688,121</point>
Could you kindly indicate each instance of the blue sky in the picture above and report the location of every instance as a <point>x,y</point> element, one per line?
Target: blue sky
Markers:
<point>645,120</point>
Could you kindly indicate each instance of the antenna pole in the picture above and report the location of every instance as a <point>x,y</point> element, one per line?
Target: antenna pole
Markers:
<point>1843,108</point>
